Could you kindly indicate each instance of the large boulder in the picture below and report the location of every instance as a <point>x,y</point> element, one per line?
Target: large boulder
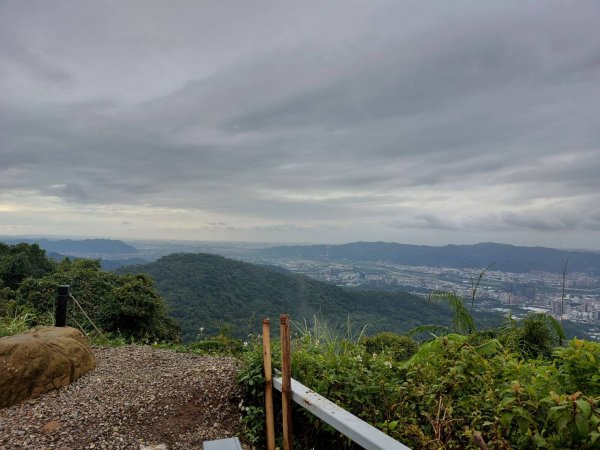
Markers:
<point>41,360</point>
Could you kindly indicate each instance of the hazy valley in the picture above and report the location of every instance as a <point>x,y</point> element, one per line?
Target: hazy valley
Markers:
<point>521,288</point>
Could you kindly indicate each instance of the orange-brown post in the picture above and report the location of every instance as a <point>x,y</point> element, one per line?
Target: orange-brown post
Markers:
<point>266,332</point>
<point>286,381</point>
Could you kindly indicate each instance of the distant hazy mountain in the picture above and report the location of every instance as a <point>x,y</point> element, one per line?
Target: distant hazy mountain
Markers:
<point>114,264</point>
<point>505,257</point>
<point>76,247</point>
<point>210,291</point>
<point>107,264</point>
<point>55,256</point>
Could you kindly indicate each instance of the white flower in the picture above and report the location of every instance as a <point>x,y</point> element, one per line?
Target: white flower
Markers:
<point>388,364</point>
<point>245,343</point>
<point>358,358</point>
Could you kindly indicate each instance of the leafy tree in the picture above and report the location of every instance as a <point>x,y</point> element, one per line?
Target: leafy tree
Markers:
<point>135,309</point>
<point>89,285</point>
<point>7,296</point>
<point>21,261</point>
<point>128,305</point>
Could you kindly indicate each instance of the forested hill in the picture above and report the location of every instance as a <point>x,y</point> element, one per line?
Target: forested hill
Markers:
<point>211,291</point>
<point>508,258</point>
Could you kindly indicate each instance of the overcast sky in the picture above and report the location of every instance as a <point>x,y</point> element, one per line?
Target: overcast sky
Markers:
<point>307,121</point>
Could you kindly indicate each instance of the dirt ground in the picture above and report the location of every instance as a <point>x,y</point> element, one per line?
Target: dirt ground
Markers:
<point>136,397</point>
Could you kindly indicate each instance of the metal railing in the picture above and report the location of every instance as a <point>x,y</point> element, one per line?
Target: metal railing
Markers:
<point>343,421</point>
<point>365,435</point>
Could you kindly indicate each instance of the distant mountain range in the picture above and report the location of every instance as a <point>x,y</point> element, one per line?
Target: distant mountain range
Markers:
<point>504,257</point>
<point>76,247</point>
<point>107,264</point>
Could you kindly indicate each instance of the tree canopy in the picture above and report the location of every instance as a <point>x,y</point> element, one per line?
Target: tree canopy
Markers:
<point>122,304</point>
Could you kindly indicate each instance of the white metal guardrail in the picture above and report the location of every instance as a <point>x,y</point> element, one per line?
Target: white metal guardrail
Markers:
<point>346,423</point>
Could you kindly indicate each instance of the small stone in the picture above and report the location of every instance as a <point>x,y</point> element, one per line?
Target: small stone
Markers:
<point>51,427</point>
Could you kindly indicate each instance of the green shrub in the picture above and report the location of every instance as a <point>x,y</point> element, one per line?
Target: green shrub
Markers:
<point>222,344</point>
<point>127,306</point>
<point>135,309</point>
<point>17,319</point>
<point>579,364</point>
<point>571,418</point>
<point>538,335</point>
<point>451,388</point>
<point>399,347</point>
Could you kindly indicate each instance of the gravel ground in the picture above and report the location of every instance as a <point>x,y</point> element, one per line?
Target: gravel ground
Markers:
<point>136,397</point>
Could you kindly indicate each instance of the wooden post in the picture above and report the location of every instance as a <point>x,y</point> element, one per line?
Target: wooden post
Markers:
<point>266,333</point>
<point>62,300</point>
<point>286,383</point>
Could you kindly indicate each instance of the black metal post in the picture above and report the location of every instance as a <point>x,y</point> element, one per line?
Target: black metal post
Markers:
<point>62,300</point>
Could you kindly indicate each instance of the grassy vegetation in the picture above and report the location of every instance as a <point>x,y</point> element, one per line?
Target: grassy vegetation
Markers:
<point>441,393</point>
<point>17,319</point>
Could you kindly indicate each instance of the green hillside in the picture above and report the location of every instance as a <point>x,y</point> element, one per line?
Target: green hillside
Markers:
<point>211,291</point>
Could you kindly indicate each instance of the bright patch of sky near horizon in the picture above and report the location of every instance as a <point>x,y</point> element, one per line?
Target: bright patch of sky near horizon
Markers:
<point>410,121</point>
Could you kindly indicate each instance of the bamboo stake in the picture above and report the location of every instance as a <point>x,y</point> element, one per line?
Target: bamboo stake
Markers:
<point>266,332</point>
<point>286,381</point>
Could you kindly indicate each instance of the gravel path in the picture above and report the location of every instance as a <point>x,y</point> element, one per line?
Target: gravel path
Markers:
<point>136,397</point>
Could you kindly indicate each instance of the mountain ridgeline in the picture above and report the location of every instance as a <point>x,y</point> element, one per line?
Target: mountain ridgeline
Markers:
<point>504,257</point>
<point>76,246</point>
<point>209,292</point>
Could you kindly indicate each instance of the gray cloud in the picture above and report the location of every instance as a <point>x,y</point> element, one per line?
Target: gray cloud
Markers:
<point>539,222</point>
<point>409,114</point>
<point>16,56</point>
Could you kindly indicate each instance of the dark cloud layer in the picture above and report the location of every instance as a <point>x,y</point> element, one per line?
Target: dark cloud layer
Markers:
<point>401,115</point>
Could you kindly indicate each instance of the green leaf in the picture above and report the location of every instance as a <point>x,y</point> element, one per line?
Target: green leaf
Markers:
<point>562,422</point>
<point>523,424</point>
<point>584,407</point>
<point>582,425</point>
<point>539,441</point>
<point>507,401</point>
<point>555,410</point>
<point>506,419</point>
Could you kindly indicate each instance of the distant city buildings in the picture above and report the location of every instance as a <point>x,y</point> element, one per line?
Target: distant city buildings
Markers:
<point>531,291</point>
